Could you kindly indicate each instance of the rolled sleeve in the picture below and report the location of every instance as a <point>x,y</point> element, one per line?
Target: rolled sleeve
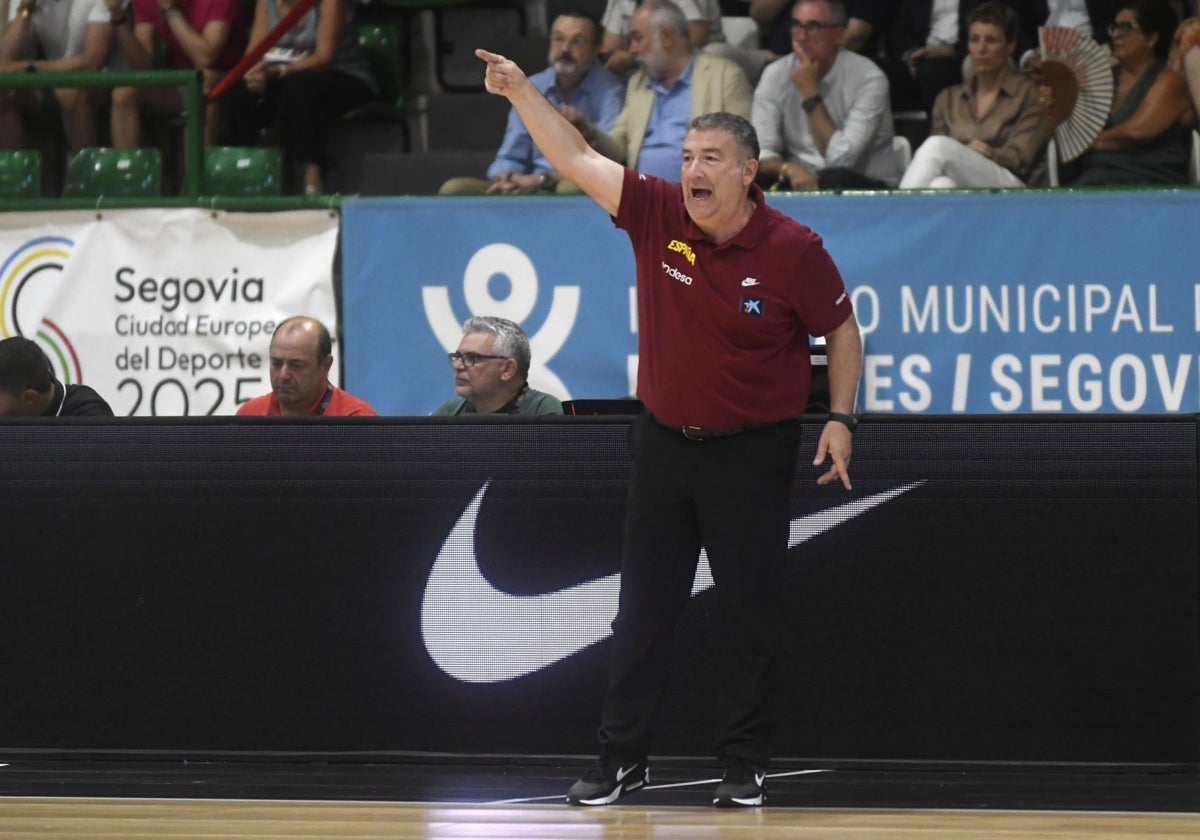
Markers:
<point>851,143</point>
<point>1025,143</point>
<point>767,118</point>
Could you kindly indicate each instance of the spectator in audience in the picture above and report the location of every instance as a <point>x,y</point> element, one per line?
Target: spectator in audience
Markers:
<point>704,30</point>
<point>867,22</point>
<point>1185,60</point>
<point>300,358</point>
<point>315,73</point>
<point>929,43</point>
<point>1146,139</point>
<point>54,35</point>
<point>673,84</point>
<point>28,387</point>
<point>206,34</point>
<point>491,372</point>
<point>822,114</point>
<point>584,92</point>
<point>991,130</point>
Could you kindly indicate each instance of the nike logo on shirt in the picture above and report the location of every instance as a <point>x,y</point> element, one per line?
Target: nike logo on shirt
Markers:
<point>478,634</point>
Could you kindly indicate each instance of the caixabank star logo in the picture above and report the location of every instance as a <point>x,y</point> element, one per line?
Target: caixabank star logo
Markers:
<point>28,277</point>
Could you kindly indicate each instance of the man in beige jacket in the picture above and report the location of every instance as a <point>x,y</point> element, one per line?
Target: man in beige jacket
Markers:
<point>674,84</point>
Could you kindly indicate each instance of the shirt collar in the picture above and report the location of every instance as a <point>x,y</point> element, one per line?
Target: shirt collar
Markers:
<point>684,80</point>
<point>1007,86</point>
<point>585,84</point>
<point>275,408</point>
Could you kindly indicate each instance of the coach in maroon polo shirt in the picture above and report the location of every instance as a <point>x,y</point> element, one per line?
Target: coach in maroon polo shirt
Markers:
<point>729,291</point>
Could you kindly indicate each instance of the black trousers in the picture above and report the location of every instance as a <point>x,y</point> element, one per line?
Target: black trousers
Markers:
<point>299,110</point>
<point>730,495</point>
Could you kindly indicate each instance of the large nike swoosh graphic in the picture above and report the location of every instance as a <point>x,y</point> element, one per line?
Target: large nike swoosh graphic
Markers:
<point>478,634</point>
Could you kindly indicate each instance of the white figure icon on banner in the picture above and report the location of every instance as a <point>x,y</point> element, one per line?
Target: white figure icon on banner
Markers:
<point>513,263</point>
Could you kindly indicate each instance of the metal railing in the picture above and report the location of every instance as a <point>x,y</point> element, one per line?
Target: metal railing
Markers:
<point>193,186</point>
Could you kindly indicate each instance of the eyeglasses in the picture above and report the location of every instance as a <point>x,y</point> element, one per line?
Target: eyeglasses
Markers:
<point>812,27</point>
<point>1121,27</point>
<point>470,359</point>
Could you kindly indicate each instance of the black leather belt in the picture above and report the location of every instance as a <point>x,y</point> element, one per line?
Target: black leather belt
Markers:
<point>704,433</point>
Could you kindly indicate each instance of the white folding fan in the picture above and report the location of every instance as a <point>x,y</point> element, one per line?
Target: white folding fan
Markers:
<point>1079,73</point>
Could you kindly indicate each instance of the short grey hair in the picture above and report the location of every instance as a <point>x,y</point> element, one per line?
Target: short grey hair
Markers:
<point>739,128</point>
<point>837,10</point>
<point>511,340</point>
<point>664,13</point>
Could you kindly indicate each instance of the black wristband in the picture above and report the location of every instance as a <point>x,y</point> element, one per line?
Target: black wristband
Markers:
<point>847,420</point>
<point>809,105</point>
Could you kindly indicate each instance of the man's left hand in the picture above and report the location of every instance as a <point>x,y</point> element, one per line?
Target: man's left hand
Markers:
<point>837,443</point>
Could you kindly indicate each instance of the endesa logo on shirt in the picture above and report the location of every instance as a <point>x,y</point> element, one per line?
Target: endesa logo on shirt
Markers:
<point>672,271</point>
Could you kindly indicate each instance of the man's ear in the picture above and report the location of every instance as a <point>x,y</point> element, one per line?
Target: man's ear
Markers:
<point>29,397</point>
<point>509,370</point>
<point>327,364</point>
<point>749,171</point>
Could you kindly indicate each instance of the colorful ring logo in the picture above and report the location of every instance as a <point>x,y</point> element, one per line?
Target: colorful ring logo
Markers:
<point>38,259</point>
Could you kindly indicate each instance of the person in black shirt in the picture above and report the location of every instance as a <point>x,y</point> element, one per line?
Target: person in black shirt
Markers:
<point>28,387</point>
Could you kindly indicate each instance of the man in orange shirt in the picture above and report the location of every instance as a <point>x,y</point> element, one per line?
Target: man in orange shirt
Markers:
<point>300,359</point>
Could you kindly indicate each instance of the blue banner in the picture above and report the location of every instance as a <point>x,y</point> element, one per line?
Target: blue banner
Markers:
<point>1017,302</point>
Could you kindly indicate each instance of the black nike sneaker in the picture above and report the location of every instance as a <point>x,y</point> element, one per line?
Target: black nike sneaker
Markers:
<point>742,786</point>
<point>607,781</point>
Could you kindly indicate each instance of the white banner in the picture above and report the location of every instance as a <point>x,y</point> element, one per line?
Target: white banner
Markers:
<point>164,312</point>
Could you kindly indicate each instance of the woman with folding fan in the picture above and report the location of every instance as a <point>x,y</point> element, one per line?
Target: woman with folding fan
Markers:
<point>1147,136</point>
<point>989,131</point>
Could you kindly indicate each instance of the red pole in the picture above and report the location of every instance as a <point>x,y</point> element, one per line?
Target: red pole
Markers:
<point>259,50</point>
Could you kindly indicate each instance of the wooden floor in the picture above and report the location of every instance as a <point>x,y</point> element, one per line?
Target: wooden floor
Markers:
<point>41,818</point>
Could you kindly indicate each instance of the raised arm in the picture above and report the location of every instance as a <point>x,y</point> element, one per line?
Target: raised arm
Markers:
<point>563,146</point>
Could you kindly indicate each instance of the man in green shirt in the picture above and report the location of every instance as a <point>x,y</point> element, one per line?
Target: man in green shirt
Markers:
<point>491,369</point>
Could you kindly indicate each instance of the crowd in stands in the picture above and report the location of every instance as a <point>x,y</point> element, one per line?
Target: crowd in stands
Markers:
<point>314,71</point>
<point>827,85</point>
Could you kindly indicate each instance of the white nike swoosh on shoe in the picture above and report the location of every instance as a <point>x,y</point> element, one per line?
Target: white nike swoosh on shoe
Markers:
<point>478,634</point>
<point>622,772</point>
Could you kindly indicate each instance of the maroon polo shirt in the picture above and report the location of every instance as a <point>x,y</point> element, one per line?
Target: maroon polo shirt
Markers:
<point>723,330</point>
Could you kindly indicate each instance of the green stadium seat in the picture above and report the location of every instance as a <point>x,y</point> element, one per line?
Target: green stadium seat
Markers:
<point>382,46</point>
<point>114,173</point>
<point>20,173</point>
<point>243,170</point>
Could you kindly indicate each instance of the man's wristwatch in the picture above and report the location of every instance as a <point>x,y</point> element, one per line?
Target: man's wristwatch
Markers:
<point>809,105</point>
<point>848,420</point>
<point>544,182</point>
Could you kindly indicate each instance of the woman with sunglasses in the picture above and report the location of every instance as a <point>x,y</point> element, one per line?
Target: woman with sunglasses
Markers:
<point>1146,138</point>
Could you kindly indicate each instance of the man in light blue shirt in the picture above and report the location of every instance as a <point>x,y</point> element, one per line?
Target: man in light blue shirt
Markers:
<point>579,86</point>
<point>669,121</point>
